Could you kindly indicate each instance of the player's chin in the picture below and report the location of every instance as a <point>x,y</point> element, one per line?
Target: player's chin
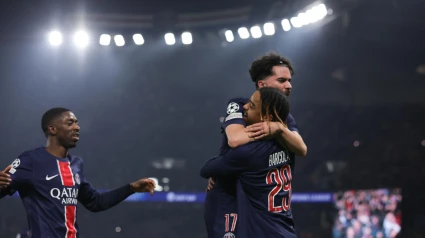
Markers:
<point>72,144</point>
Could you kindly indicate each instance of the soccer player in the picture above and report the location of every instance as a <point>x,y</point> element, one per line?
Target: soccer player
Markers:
<point>51,182</point>
<point>271,70</point>
<point>264,170</point>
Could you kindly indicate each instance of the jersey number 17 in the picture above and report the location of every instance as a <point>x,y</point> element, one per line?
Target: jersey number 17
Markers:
<point>282,177</point>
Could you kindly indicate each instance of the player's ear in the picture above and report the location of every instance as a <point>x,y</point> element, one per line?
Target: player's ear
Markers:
<point>52,130</point>
<point>261,84</point>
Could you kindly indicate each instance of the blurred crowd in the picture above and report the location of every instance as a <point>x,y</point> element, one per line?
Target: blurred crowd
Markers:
<point>368,214</point>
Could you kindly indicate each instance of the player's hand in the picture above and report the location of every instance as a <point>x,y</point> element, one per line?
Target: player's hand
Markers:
<point>5,177</point>
<point>143,185</point>
<point>210,184</point>
<point>263,130</point>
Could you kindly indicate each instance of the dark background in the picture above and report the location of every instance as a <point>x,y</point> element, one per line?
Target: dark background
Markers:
<point>359,77</point>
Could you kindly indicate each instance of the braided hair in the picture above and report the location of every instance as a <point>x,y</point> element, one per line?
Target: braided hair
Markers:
<point>275,103</point>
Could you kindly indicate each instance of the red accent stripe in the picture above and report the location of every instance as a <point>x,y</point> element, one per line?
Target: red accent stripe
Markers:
<point>66,174</point>
<point>70,215</point>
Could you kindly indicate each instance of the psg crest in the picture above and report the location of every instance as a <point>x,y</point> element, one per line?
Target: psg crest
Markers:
<point>77,178</point>
<point>229,235</point>
<point>232,108</point>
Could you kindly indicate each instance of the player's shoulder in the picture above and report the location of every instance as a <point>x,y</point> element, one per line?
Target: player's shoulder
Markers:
<point>238,100</point>
<point>75,159</point>
<point>31,154</point>
<point>258,147</point>
<point>290,117</point>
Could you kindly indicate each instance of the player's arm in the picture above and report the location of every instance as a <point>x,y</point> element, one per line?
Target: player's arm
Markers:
<point>96,201</point>
<point>234,124</point>
<point>19,175</point>
<point>287,135</point>
<point>231,163</point>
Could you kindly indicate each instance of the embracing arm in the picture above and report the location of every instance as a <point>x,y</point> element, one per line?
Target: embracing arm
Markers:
<point>231,163</point>
<point>286,135</point>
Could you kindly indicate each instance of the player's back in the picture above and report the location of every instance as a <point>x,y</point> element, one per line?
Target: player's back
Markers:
<point>48,187</point>
<point>264,192</point>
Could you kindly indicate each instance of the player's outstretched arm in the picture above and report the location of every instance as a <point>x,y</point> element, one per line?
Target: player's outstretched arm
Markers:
<point>96,201</point>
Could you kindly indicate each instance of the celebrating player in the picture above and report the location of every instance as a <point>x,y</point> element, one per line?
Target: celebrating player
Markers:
<point>51,182</point>
<point>264,172</point>
<point>274,71</point>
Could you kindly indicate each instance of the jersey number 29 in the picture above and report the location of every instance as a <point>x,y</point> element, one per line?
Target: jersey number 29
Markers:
<point>282,177</point>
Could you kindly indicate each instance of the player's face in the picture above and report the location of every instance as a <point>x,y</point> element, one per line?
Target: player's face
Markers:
<point>68,130</point>
<point>252,112</point>
<point>281,79</point>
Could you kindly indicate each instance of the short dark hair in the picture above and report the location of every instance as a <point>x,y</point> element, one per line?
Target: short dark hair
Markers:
<point>50,116</point>
<point>274,102</point>
<point>262,67</point>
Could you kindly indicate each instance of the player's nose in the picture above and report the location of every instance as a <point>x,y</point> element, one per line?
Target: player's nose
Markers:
<point>245,106</point>
<point>288,85</point>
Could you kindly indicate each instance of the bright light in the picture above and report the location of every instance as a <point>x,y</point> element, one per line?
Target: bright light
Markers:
<point>322,10</point>
<point>55,38</point>
<point>170,39</point>
<point>138,39</point>
<point>296,22</point>
<point>317,13</point>
<point>81,39</point>
<point>187,38</point>
<point>310,16</point>
<point>256,32</point>
<point>119,40</point>
<point>243,33</point>
<point>286,25</point>
<point>303,19</point>
<point>229,36</point>
<point>105,39</point>
<point>268,29</point>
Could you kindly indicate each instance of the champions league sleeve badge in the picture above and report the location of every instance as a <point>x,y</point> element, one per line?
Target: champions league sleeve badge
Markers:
<point>232,108</point>
<point>77,178</point>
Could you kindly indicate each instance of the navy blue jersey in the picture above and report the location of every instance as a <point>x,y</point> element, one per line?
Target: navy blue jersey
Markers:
<point>264,190</point>
<point>50,189</point>
<point>235,115</point>
<point>220,202</point>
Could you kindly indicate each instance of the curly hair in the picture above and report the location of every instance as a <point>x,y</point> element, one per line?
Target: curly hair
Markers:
<point>262,67</point>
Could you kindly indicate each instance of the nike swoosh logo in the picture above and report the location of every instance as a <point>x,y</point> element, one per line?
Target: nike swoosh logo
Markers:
<point>50,178</point>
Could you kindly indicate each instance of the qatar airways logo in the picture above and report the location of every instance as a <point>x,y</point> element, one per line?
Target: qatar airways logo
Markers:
<point>67,196</point>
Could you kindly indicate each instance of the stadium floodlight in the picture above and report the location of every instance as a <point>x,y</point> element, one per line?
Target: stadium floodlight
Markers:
<point>169,39</point>
<point>268,29</point>
<point>296,22</point>
<point>303,19</point>
<point>187,38</point>
<point>55,38</point>
<point>119,40</point>
<point>105,39</point>
<point>256,32</point>
<point>286,25</point>
<point>243,33</point>
<point>138,39</point>
<point>229,36</point>
<point>81,39</point>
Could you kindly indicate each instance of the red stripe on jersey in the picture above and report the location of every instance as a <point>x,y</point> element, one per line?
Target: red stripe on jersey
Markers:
<point>70,216</point>
<point>66,174</point>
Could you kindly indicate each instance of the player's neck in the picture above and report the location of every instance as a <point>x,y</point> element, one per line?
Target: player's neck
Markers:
<point>56,150</point>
